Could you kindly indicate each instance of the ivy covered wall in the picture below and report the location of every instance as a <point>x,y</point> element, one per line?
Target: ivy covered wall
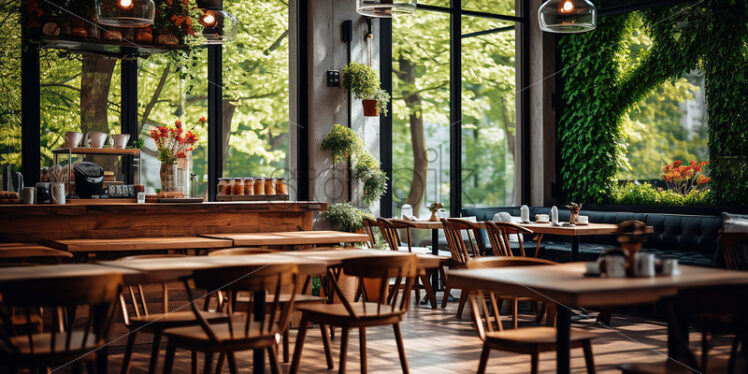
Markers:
<point>709,35</point>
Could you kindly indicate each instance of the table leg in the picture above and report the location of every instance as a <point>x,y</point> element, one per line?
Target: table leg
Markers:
<point>575,248</point>
<point>259,354</point>
<point>677,332</point>
<point>563,327</point>
<point>435,252</point>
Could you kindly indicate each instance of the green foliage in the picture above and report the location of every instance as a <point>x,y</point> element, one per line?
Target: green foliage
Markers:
<point>361,79</point>
<point>343,143</point>
<point>383,98</point>
<point>344,217</point>
<point>604,79</point>
<point>138,143</point>
<point>646,194</point>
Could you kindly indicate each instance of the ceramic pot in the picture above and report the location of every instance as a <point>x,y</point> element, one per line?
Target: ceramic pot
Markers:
<point>370,108</point>
<point>144,35</point>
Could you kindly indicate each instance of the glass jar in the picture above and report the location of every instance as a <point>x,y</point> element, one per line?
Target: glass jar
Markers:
<point>269,186</point>
<point>238,187</point>
<point>280,187</point>
<point>227,184</point>
<point>249,186</point>
<point>221,184</point>
<point>259,186</point>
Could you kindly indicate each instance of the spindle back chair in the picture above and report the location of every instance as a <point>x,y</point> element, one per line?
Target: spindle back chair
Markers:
<point>499,234</point>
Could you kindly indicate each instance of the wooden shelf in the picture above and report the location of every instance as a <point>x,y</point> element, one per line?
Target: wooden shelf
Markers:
<point>106,47</point>
<point>99,151</point>
<point>252,198</point>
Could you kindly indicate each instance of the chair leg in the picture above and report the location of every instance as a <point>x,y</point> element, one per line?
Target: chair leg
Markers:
<point>128,353</point>
<point>193,362</point>
<point>515,311</point>
<point>483,359</point>
<point>704,350</point>
<point>445,298</point>
<point>326,345</point>
<point>169,360</point>
<point>221,362</point>
<point>209,363</point>
<point>362,348</point>
<point>534,362</point>
<point>401,348</point>
<point>343,349</point>
<point>605,316</point>
<point>299,345</point>
<point>286,347</point>
<point>540,312</point>
<point>154,350</point>
<point>589,359</point>
<point>429,290</point>
<point>461,305</point>
<point>232,363</point>
<point>274,365</point>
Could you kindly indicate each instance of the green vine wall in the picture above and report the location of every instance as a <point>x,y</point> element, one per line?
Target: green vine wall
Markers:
<point>710,35</point>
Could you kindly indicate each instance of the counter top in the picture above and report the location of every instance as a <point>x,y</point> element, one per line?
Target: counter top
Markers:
<point>228,206</point>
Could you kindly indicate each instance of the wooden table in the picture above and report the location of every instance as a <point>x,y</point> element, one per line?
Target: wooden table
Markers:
<point>565,285</point>
<point>86,246</point>
<point>290,238</point>
<point>23,250</point>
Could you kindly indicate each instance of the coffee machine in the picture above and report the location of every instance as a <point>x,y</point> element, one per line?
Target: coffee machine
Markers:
<point>89,179</point>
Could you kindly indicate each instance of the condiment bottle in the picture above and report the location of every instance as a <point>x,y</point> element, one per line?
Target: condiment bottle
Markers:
<point>228,187</point>
<point>269,186</point>
<point>259,186</point>
<point>238,187</point>
<point>280,187</point>
<point>249,186</point>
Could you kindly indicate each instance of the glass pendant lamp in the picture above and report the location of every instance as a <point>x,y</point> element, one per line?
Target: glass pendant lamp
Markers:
<point>125,13</point>
<point>567,16</point>
<point>219,25</point>
<point>385,8</point>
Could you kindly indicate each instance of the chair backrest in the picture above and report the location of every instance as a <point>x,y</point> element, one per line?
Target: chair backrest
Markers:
<point>239,251</point>
<point>32,254</point>
<point>403,268</point>
<point>734,247</point>
<point>389,229</point>
<point>64,298</point>
<point>484,304</point>
<point>369,225</point>
<point>499,234</point>
<point>461,252</point>
<point>247,279</point>
<point>137,298</point>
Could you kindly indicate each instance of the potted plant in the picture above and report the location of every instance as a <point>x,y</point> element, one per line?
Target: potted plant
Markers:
<point>173,22</point>
<point>363,82</point>
<point>172,143</point>
<point>345,217</point>
<point>433,208</point>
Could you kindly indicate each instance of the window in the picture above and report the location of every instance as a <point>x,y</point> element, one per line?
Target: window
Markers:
<point>10,91</point>
<point>256,91</point>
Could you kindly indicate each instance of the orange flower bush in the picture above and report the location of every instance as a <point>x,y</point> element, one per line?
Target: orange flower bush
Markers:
<point>685,178</point>
<point>173,142</point>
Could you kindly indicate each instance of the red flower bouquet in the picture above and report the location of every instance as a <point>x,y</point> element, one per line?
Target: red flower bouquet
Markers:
<point>174,142</point>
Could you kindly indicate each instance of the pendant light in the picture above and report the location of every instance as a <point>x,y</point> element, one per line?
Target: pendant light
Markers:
<point>567,16</point>
<point>125,13</point>
<point>385,8</point>
<point>219,25</point>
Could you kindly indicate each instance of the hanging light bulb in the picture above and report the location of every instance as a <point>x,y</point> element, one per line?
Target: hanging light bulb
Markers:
<point>125,13</point>
<point>219,25</point>
<point>567,16</point>
<point>385,8</point>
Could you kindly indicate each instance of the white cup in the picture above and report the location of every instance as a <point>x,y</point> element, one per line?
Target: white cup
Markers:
<point>592,267</point>
<point>120,140</point>
<point>407,211</point>
<point>29,195</point>
<point>141,197</point>
<point>670,266</point>
<point>442,213</point>
<point>95,139</point>
<point>583,220</point>
<point>645,264</point>
<point>58,193</point>
<point>615,266</point>
<point>73,139</point>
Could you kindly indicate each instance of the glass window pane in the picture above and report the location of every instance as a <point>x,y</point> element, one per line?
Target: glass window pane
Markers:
<point>505,7</point>
<point>10,91</point>
<point>420,129</point>
<point>174,88</point>
<point>439,3</point>
<point>255,94</point>
<point>488,114</point>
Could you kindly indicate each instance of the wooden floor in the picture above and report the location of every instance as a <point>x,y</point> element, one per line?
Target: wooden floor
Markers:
<point>438,343</point>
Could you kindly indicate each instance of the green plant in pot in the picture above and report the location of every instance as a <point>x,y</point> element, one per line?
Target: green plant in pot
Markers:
<point>345,217</point>
<point>363,81</point>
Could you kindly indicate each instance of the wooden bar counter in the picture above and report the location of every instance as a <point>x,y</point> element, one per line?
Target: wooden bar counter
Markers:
<point>37,223</point>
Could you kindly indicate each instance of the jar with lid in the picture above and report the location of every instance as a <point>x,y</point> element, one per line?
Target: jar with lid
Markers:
<point>259,186</point>
<point>280,186</point>
<point>238,187</point>
<point>269,186</point>
<point>227,183</point>
<point>221,184</point>
<point>249,186</point>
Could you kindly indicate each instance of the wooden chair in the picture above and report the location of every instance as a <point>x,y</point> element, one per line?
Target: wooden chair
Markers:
<point>389,229</point>
<point>299,299</point>
<point>243,330</point>
<point>65,342</point>
<point>21,253</point>
<point>240,251</point>
<point>369,225</point>
<point>734,247</point>
<point>363,314</point>
<point>461,252</point>
<point>140,316</point>
<point>499,234</point>
<point>485,308</point>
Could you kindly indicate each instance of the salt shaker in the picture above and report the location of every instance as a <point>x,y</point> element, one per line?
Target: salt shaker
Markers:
<point>554,215</point>
<point>524,213</point>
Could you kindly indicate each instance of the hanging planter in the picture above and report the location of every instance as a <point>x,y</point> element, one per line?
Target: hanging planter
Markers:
<point>370,108</point>
<point>363,82</point>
